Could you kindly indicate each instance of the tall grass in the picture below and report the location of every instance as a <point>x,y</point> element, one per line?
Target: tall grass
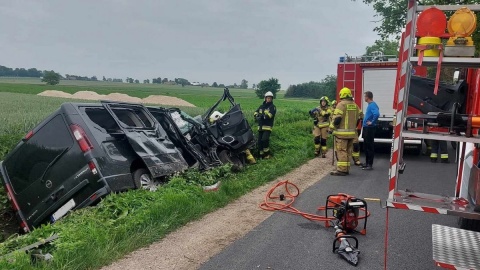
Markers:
<point>92,237</point>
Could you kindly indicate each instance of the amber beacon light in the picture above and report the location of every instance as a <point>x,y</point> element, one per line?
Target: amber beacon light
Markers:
<point>460,26</point>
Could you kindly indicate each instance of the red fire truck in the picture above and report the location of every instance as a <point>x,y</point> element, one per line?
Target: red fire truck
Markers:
<point>376,73</point>
<point>453,117</point>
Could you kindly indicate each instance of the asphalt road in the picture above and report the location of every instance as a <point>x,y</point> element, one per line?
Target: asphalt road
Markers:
<point>286,241</point>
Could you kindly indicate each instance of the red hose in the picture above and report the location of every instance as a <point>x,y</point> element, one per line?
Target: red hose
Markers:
<point>291,192</point>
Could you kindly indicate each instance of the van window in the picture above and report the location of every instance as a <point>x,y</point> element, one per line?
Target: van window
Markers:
<point>29,162</point>
<point>133,117</point>
<point>102,117</point>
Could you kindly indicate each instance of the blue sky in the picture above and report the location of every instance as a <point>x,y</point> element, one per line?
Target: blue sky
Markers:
<point>202,40</point>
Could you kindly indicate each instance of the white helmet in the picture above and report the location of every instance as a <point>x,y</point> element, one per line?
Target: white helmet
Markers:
<point>269,94</point>
<point>215,116</point>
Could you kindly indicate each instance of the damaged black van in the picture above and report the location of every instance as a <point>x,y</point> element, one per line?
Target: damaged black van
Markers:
<point>82,152</point>
<point>210,143</point>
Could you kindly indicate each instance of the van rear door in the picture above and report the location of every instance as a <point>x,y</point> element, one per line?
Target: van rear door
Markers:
<point>41,170</point>
<point>147,138</point>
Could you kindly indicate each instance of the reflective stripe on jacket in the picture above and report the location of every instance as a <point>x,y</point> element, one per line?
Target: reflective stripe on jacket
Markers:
<point>349,113</point>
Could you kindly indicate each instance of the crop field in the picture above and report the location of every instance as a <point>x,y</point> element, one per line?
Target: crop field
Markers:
<point>124,222</point>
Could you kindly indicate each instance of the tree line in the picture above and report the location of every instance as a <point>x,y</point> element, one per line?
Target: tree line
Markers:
<point>20,72</point>
<point>326,87</point>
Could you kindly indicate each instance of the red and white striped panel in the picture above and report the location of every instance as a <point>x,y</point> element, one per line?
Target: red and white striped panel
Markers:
<point>407,44</point>
<point>449,266</point>
<point>407,206</point>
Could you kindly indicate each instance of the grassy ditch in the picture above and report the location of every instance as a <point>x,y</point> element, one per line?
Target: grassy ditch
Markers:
<point>92,237</point>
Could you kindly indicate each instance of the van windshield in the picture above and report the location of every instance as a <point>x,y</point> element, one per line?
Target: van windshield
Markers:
<point>29,162</point>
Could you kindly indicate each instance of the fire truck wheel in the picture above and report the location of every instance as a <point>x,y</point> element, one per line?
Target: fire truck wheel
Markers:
<point>417,150</point>
<point>469,224</point>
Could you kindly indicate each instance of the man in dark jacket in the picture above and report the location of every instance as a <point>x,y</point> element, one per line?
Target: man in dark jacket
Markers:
<point>265,116</point>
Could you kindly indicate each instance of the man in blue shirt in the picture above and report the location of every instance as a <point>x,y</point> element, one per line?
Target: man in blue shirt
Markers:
<point>369,123</point>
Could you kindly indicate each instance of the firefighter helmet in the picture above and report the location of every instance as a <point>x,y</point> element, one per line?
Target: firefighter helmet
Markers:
<point>345,93</point>
<point>269,94</point>
<point>324,98</point>
<point>334,102</point>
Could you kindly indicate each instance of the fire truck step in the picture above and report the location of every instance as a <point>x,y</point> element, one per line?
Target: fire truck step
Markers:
<point>455,248</point>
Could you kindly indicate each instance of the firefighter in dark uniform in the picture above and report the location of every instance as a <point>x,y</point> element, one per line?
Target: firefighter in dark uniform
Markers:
<point>344,124</point>
<point>265,116</point>
<point>439,147</point>
<point>321,122</point>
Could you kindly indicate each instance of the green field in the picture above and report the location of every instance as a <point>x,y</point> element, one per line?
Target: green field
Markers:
<point>95,236</point>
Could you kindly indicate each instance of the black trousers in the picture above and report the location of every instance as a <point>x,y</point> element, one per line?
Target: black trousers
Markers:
<point>263,140</point>
<point>439,147</point>
<point>368,136</point>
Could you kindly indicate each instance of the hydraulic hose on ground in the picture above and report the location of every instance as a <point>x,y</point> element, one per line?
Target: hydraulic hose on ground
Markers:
<point>287,198</point>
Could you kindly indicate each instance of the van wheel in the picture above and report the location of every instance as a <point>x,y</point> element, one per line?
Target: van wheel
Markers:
<point>225,158</point>
<point>143,180</point>
<point>469,224</point>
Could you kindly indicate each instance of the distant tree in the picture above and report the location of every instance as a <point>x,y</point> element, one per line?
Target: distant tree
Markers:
<point>129,80</point>
<point>235,85</point>
<point>387,47</point>
<point>253,86</point>
<point>165,80</point>
<point>271,85</point>
<point>326,87</point>
<point>214,84</point>
<point>146,81</point>
<point>182,81</point>
<point>137,81</point>
<point>51,77</point>
<point>104,79</point>
<point>157,80</point>
<point>221,85</point>
<point>94,78</point>
<point>244,84</point>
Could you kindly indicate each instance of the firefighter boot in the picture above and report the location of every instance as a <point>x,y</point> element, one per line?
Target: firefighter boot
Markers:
<point>250,158</point>
<point>266,153</point>
<point>433,157</point>
<point>324,151</point>
<point>317,150</point>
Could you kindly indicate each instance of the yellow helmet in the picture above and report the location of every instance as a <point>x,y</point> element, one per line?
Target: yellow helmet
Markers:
<point>345,93</point>
<point>334,102</point>
<point>324,98</point>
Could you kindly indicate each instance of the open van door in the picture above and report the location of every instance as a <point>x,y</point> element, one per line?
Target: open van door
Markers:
<point>165,118</point>
<point>147,138</point>
<point>232,129</point>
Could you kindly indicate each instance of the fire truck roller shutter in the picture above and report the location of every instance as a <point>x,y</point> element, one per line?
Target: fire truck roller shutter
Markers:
<point>381,82</point>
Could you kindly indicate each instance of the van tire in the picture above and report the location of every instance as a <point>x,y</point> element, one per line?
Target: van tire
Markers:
<point>137,177</point>
<point>469,224</point>
<point>225,158</point>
